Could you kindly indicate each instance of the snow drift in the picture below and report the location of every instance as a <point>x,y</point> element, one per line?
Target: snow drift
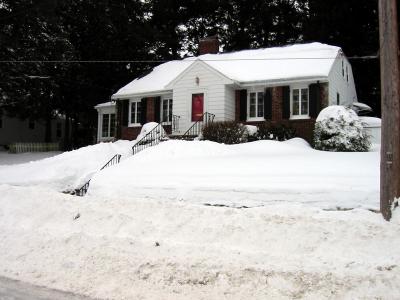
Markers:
<point>256,173</point>
<point>65,171</point>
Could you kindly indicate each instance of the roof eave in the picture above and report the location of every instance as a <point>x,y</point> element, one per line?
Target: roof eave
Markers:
<point>116,96</point>
<point>276,82</point>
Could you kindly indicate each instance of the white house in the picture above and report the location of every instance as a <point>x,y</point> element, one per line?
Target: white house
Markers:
<point>287,85</point>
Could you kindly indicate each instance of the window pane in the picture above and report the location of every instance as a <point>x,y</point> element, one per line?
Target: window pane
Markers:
<point>304,101</point>
<point>165,110</point>
<point>104,129</point>
<point>260,104</point>
<point>138,112</point>
<point>170,110</point>
<point>252,105</point>
<point>112,125</point>
<point>295,107</point>
<point>133,112</point>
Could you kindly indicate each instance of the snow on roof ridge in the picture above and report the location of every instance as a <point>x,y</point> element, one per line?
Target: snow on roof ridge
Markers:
<point>299,47</point>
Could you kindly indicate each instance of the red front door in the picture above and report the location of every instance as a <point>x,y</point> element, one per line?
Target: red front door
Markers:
<point>197,107</point>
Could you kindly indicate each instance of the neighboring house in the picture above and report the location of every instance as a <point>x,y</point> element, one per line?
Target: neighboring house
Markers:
<point>15,130</point>
<point>105,121</point>
<point>285,85</point>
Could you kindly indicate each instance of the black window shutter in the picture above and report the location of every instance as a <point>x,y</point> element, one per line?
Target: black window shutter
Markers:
<point>268,104</point>
<point>143,111</point>
<point>314,100</point>
<point>243,105</point>
<point>157,109</point>
<point>286,102</point>
<point>125,112</point>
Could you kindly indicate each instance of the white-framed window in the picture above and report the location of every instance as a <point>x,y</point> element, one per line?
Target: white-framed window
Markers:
<point>299,103</point>
<point>108,125</point>
<point>135,113</point>
<point>166,110</point>
<point>255,105</point>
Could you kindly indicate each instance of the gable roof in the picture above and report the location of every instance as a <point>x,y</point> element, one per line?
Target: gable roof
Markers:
<point>298,61</point>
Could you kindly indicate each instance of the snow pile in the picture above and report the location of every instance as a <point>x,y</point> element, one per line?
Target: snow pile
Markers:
<point>338,128</point>
<point>257,173</point>
<point>146,128</point>
<point>65,171</point>
<point>146,249</point>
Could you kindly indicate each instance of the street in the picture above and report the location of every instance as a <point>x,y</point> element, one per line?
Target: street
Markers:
<point>17,290</point>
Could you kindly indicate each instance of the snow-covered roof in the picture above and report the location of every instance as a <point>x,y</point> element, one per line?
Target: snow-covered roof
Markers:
<point>155,81</point>
<point>105,104</point>
<point>300,61</point>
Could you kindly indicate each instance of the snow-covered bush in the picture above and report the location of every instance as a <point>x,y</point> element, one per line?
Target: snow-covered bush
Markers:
<point>338,128</point>
<point>251,133</point>
<point>228,132</point>
<point>268,131</point>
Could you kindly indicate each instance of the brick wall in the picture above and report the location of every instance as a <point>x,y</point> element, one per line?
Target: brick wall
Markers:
<point>304,128</point>
<point>277,95</point>
<point>150,115</point>
<point>130,133</point>
<point>209,45</point>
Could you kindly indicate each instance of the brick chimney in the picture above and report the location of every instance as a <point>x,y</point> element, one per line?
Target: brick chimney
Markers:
<point>209,45</point>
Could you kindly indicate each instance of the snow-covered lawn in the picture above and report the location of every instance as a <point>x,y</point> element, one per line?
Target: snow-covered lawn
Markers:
<point>281,251</point>
<point>65,171</point>
<point>143,231</point>
<point>20,158</point>
<point>251,174</point>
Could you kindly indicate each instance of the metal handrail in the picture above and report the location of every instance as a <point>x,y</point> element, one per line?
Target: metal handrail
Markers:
<point>152,138</point>
<point>196,128</point>
<point>113,161</point>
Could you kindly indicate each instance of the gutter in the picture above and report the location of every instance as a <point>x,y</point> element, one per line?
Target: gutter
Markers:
<point>156,93</point>
<point>279,82</point>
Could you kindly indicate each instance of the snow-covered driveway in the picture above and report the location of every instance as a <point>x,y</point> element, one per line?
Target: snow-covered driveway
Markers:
<point>282,251</point>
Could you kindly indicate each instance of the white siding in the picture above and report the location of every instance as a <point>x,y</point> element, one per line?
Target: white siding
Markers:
<point>339,84</point>
<point>229,103</point>
<point>210,83</point>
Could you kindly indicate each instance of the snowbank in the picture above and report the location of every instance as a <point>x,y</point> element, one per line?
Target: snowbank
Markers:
<point>257,173</point>
<point>282,251</point>
<point>65,171</point>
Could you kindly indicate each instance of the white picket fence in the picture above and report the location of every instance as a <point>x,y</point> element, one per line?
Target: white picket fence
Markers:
<point>33,147</point>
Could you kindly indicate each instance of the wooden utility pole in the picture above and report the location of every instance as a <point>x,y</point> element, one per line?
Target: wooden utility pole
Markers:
<point>390,97</point>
